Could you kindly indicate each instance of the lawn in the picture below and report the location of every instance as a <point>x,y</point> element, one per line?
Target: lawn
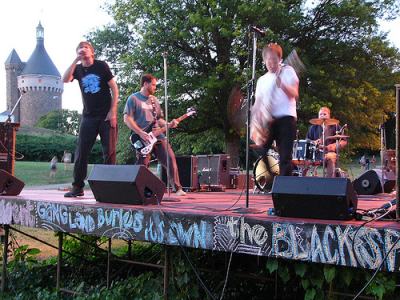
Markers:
<point>38,173</point>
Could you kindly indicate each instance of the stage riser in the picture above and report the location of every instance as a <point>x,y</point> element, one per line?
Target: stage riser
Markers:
<point>296,239</point>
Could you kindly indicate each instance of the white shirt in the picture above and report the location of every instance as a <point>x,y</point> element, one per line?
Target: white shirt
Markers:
<point>269,95</point>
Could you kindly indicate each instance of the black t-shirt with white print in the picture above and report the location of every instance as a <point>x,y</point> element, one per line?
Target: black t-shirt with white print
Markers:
<point>96,95</point>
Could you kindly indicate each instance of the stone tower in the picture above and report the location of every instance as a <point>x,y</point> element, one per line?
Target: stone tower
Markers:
<point>38,81</point>
<point>14,67</point>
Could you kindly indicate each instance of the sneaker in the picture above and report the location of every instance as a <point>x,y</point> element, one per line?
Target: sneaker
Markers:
<point>180,192</point>
<point>74,192</point>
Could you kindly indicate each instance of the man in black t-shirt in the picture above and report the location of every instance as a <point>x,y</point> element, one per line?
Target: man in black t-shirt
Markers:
<point>99,117</point>
<point>315,134</point>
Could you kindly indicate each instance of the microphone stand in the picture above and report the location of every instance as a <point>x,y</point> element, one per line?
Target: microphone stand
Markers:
<point>13,109</point>
<point>383,152</point>
<point>397,150</point>
<point>164,55</point>
<point>250,101</point>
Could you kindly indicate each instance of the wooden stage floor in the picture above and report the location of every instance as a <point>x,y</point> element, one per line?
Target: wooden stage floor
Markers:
<point>216,221</point>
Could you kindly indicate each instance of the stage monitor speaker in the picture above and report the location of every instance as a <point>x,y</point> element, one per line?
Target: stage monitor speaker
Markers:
<point>370,182</point>
<point>214,169</point>
<point>314,197</point>
<point>125,184</point>
<point>187,168</point>
<point>10,185</point>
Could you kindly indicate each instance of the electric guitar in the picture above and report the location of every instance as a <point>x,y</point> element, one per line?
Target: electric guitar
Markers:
<point>145,148</point>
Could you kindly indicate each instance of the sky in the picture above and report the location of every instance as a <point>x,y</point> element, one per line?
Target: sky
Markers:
<point>65,24</point>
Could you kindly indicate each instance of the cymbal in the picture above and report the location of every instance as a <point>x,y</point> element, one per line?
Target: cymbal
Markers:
<point>337,137</point>
<point>321,121</point>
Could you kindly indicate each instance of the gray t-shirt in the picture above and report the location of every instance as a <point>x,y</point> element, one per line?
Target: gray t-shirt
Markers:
<point>140,108</point>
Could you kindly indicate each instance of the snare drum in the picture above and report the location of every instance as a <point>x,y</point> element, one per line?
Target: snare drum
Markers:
<point>318,156</point>
<point>265,169</point>
<point>303,151</point>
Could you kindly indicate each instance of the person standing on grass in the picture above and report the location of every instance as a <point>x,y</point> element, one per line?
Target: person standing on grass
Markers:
<point>53,168</point>
<point>99,117</point>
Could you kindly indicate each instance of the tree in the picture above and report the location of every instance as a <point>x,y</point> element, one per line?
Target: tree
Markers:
<point>64,121</point>
<point>350,65</point>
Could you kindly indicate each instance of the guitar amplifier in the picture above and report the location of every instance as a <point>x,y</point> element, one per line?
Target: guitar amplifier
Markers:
<point>187,168</point>
<point>8,139</point>
<point>214,169</point>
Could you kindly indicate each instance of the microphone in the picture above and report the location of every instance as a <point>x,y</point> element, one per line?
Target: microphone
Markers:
<point>344,126</point>
<point>257,30</point>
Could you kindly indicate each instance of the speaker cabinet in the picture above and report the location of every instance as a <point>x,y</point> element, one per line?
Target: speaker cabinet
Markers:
<point>370,182</point>
<point>314,197</point>
<point>8,133</point>
<point>214,169</point>
<point>10,185</point>
<point>125,184</point>
<point>187,169</point>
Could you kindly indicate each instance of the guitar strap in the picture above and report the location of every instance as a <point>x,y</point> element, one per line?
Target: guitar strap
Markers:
<point>153,104</point>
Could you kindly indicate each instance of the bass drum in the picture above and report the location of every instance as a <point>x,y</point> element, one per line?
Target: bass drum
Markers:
<point>265,169</point>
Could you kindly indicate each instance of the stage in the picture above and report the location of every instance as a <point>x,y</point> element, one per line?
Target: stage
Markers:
<point>216,221</point>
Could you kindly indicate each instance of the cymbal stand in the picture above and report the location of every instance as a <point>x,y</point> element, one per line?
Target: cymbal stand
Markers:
<point>250,101</point>
<point>338,147</point>
<point>323,147</point>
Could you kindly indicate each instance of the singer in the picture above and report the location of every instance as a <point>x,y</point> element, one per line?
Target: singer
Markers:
<point>99,117</point>
<point>334,140</point>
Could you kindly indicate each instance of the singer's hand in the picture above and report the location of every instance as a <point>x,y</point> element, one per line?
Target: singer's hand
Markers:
<point>112,117</point>
<point>77,59</point>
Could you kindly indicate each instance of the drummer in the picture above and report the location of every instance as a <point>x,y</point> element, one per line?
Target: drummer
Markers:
<point>332,129</point>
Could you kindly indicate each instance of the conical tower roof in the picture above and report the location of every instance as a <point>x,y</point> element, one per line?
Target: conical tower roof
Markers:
<point>40,62</point>
<point>13,58</point>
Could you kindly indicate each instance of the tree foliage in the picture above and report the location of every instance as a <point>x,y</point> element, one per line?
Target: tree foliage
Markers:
<point>351,66</point>
<point>64,121</point>
<point>43,148</point>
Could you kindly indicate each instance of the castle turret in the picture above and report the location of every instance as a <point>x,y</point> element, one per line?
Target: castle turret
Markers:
<point>14,66</point>
<point>39,83</point>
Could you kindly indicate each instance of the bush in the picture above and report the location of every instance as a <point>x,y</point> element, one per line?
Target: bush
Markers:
<point>43,148</point>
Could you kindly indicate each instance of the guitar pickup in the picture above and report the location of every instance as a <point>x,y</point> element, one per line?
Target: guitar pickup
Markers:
<point>138,144</point>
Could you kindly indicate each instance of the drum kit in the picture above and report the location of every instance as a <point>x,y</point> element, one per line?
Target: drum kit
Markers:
<point>307,157</point>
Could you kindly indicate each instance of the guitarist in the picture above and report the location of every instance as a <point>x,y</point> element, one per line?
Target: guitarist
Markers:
<point>274,110</point>
<point>143,114</point>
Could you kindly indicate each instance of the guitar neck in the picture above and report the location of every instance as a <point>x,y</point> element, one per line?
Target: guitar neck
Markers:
<point>181,118</point>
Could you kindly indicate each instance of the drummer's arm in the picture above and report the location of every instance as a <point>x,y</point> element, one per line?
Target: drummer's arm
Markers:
<point>332,147</point>
<point>342,144</point>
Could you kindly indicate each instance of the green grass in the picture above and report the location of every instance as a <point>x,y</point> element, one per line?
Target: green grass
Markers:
<point>38,173</point>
